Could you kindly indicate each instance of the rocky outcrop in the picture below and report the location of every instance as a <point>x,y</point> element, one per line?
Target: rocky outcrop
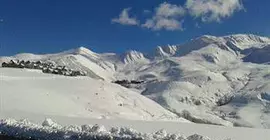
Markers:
<point>127,83</point>
<point>46,67</point>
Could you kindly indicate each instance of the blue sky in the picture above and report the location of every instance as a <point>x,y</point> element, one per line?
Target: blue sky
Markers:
<point>47,26</point>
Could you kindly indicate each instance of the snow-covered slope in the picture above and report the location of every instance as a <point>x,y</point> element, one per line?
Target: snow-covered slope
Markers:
<point>79,59</point>
<point>207,73</point>
<point>214,80</point>
<point>24,91</point>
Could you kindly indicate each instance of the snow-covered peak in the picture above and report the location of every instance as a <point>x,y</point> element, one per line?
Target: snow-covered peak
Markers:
<point>83,51</point>
<point>165,51</point>
<point>238,42</point>
<point>237,39</point>
<point>206,38</point>
<point>170,49</point>
<point>196,44</point>
<point>247,38</point>
<point>133,56</point>
<point>159,52</point>
<point>245,41</point>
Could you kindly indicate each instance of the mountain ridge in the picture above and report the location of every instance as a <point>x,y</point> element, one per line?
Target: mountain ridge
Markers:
<point>172,49</point>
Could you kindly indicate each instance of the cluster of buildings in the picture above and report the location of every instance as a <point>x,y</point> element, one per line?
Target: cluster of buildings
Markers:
<point>46,67</point>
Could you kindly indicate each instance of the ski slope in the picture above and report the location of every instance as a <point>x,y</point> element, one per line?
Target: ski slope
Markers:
<point>31,91</point>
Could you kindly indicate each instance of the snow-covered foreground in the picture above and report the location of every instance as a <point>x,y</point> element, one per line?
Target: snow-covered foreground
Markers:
<point>51,130</point>
<point>120,129</point>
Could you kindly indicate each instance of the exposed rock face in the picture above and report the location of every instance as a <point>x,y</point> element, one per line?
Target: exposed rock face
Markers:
<point>46,67</point>
<point>127,83</point>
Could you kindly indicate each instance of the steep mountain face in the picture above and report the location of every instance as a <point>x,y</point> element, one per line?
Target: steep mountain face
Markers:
<point>133,57</point>
<point>167,51</point>
<point>213,80</point>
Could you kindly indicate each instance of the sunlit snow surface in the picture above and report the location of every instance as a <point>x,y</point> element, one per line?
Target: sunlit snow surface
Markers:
<point>125,130</point>
<point>52,130</point>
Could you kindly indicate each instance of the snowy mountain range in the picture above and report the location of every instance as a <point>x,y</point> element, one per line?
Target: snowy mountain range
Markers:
<point>212,80</point>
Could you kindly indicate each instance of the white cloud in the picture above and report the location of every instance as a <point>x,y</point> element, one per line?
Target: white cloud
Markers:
<point>125,19</point>
<point>166,17</point>
<point>169,10</point>
<point>163,23</point>
<point>213,10</point>
<point>170,16</point>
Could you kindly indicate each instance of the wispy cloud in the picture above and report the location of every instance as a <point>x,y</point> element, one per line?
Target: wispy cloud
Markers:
<point>163,23</point>
<point>167,16</point>
<point>213,10</point>
<point>125,19</point>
